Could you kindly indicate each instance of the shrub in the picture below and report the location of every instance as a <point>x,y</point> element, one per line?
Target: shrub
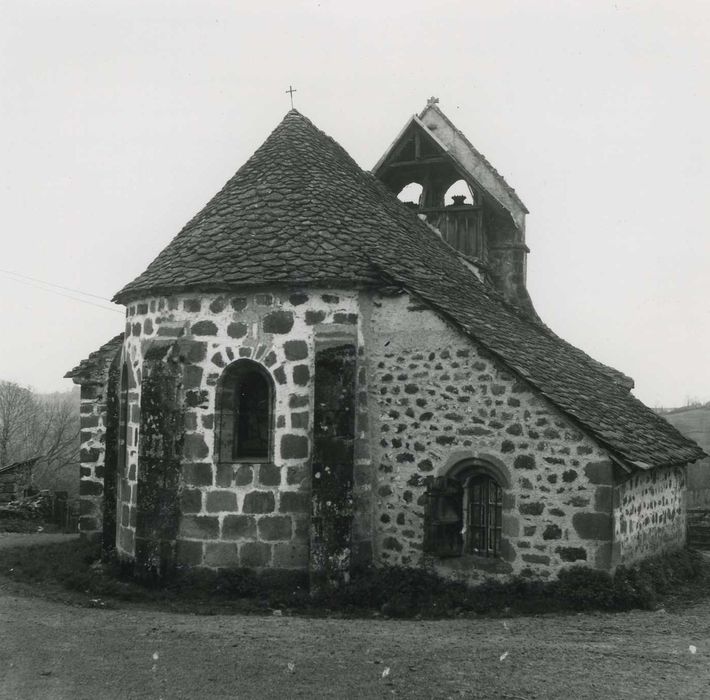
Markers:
<point>580,588</point>
<point>13,523</point>
<point>392,591</point>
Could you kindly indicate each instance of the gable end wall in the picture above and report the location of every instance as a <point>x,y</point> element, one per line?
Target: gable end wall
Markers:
<point>92,454</point>
<point>435,398</point>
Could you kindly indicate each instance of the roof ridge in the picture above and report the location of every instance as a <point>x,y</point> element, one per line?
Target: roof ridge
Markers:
<point>508,188</point>
<point>301,211</point>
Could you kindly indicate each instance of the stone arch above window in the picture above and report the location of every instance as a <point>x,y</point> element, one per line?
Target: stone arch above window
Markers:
<point>465,467</point>
<point>245,399</point>
<point>463,460</point>
<point>464,509</point>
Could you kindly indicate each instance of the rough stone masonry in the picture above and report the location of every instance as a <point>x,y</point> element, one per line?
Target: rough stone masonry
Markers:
<point>313,377</point>
<point>427,399</point>
<point>237,514</point>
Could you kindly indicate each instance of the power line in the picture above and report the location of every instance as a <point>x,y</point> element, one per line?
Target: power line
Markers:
<point>51,284</point>
<point>67,296</point>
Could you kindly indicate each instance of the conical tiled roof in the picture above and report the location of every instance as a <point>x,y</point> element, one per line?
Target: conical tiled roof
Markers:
<point>292,213</point>
<point>300,210</point>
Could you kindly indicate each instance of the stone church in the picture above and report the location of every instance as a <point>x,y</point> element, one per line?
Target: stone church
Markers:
<point>315,375</point>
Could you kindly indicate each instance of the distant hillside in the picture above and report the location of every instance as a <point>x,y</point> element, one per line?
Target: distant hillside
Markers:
<point>693,421</point>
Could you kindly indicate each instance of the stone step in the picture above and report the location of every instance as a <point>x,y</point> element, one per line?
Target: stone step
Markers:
<point>698,535</point>
<point>699,529</point>
<point>699,538</point>
<point>699,517</point>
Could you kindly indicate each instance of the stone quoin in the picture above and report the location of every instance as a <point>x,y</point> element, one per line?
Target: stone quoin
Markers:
<point>315,375</point>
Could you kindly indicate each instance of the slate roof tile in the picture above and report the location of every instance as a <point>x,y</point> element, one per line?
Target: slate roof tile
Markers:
<point>301,210</point>
<point>91,369</point>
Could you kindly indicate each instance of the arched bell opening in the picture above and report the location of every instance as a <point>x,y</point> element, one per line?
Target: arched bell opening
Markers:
<point>459,194</point>
<point>411,195</point>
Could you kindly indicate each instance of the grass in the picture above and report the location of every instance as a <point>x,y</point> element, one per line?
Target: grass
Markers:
<point>25,526</point>
<point>76,567</point>
<point>19,525</point>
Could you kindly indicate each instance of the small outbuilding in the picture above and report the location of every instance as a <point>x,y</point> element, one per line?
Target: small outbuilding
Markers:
<point>16,479</point>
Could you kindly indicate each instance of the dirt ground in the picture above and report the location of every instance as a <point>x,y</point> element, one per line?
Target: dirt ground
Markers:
<point>50,649</point>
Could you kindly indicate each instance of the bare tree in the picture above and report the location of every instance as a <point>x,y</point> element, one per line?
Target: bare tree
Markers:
<point>41,426</point>
<point>17,411</point>
<point>56,439</point>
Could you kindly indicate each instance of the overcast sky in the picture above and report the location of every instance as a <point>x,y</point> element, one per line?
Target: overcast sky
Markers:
<point>120,119</point>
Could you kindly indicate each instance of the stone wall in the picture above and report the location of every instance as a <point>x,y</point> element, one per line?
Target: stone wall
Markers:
<point>238,514</point>
<point>649,514</point>
<point>111,455</point>
<point>698,475</point>
<point>332,465</point>
<point>127,488</point>
<point>434,399</point>
<point>92,409</point>
<point>427,398</point>
<point>159,457</point>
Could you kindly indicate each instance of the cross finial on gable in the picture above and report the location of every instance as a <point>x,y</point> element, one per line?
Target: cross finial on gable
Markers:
<point>432,101</point>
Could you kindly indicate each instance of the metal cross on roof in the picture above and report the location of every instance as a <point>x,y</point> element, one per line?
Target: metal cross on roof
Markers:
<point>432,101</point>
<point>290,91</point>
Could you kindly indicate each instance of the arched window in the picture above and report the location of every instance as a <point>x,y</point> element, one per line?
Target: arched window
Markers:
<point>411,194</point>
<point>244,409</point>
<point>464,513</point>
<point>459,193</point>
